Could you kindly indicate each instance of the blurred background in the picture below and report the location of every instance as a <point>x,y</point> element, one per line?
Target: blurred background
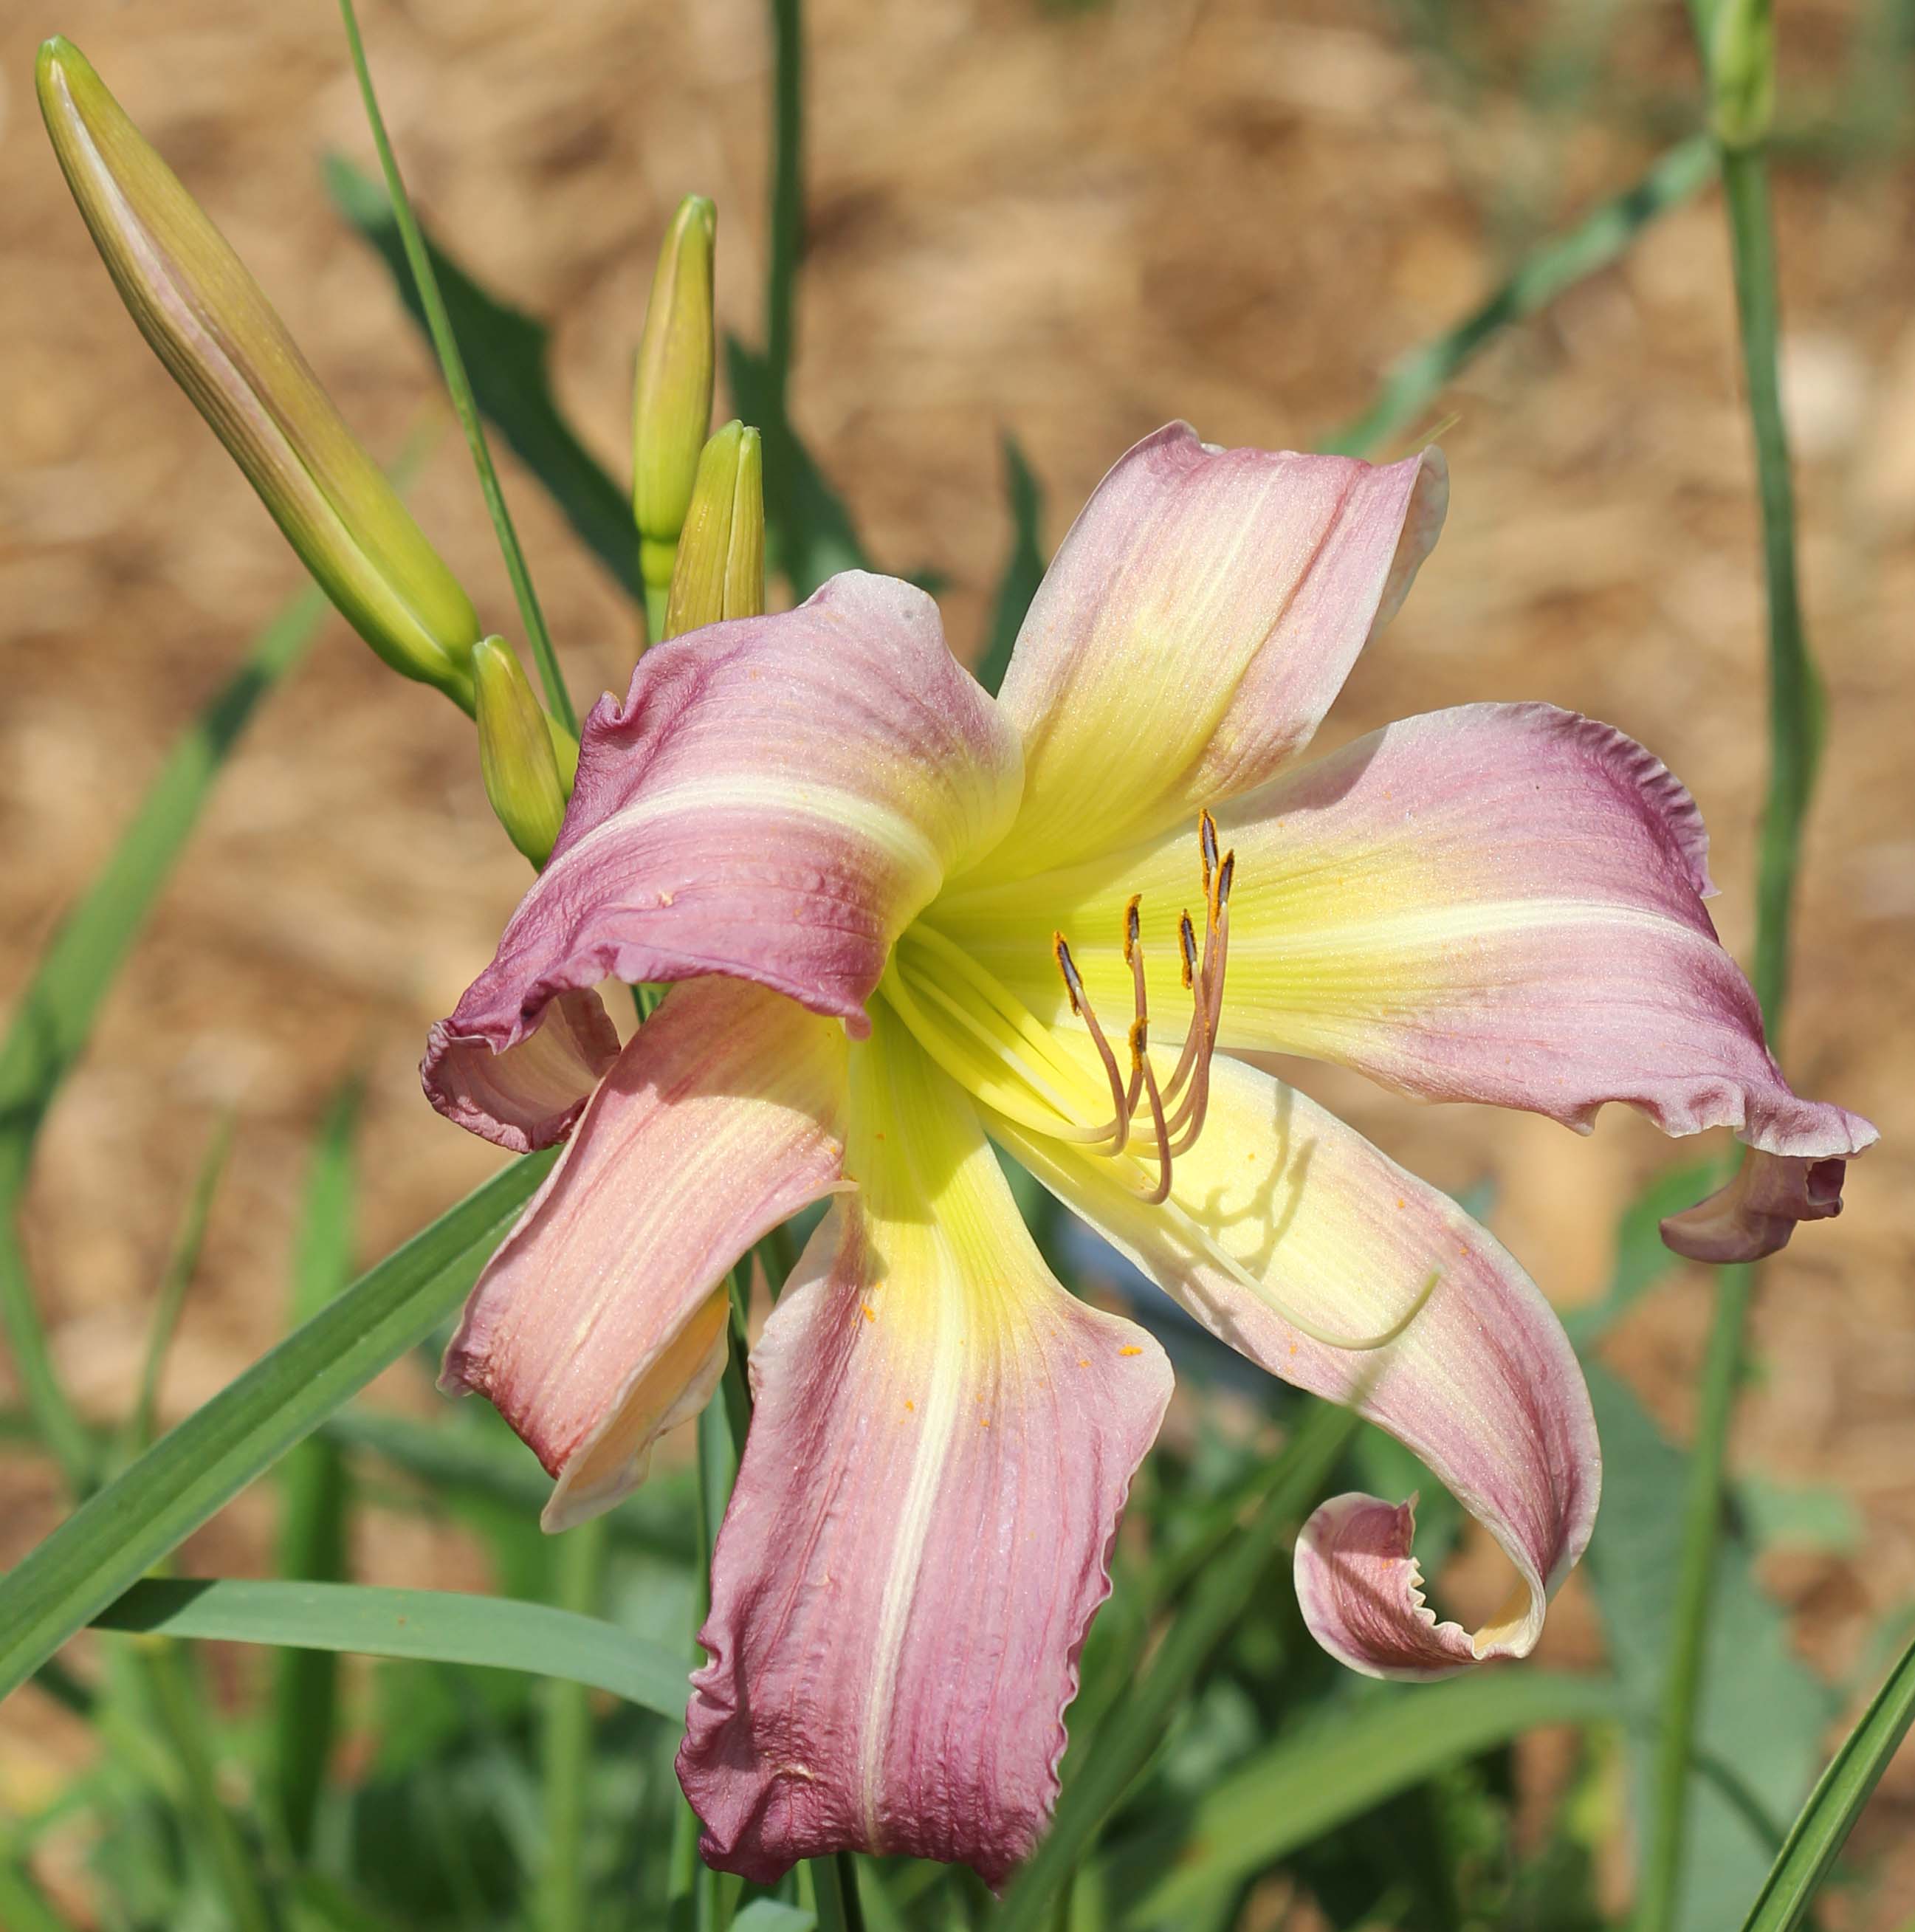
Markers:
<point>1069,223</point>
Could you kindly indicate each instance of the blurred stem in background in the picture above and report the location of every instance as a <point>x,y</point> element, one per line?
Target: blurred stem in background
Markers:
<point>1737,39</point>
<point>565,1743</point>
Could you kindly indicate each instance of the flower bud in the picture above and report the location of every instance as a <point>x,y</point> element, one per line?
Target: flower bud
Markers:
<point>720,571</point>
<point>518,752</point>
<point>672,397</point>
<point>209,322</point>
<point>1741,71</point>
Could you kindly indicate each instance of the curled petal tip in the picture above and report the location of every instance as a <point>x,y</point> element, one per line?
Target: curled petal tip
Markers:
<point>1360,1591</point>
<point>1755,1214</point>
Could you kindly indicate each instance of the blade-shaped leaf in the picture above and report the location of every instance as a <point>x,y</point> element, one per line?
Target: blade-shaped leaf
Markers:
<point>433,1626</point>
<point>313,1530</point>
<point>1641,1260</point>
<point>809,532</point>
<point>1816,1839</point>
<point>122,1530</point>
<point>1024,569</point>
<point>1762,1712</point>
<point>55,1018</point>
<point>1332,1767</point>
<point>504,352</point>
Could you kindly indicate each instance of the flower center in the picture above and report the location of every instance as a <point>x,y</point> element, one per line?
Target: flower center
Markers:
<point>989,1041</point>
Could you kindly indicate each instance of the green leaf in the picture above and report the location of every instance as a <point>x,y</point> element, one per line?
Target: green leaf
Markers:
<point>1341,1761</point>
<point>55,1018</point>
<point>1641,1260</point>
<point>314,1534</point>
<point>1125,1741</point>
<point>1761,1711</point>
<point>1412,386</point>
<point>182,1264</point>
<point>121,1531</point>
<point>1024,568</point>
<point>1799,1517</point>
<point>432,1626</point>
<point>505,353</point>
<point>772,1914</point>
<point>458,384</point>
<point>1816,1839</point>
<point>808,533</point>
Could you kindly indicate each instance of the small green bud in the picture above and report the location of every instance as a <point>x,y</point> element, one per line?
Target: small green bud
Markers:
<point>720,571</point>
<point>672,397</point>
<point>1741,71</point>
<point>518,752</point>
<point>209,322</point>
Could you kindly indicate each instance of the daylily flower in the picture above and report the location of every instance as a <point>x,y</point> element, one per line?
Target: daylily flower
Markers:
<point>907,920</point>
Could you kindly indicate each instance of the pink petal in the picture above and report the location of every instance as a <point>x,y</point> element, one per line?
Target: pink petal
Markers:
<point>601,1322</point>
<point>530,1096</point>
<point>1755,1214</point>
<point>777,799</point>
<point>1482,1384</point>
<point>1202,614</point>
<point>1498,903</point>
<point>920,1532</point>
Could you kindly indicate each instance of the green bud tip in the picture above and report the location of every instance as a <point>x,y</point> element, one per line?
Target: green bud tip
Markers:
<point>209,322</point>
<point>720,571</point>
<point>672,396</point>
<point>518,752</point>
<point>1741,72</point>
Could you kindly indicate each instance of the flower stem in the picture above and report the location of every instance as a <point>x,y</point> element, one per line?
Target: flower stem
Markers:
<point>565,1742</point>
<point>453,363</point>
<point>1794,730</point>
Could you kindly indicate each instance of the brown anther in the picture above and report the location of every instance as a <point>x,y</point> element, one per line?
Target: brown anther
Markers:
<point>1132,924</point>
<point>1206,845</point>
<point>1140,1042</point>
<point>1187,939</point>
<point>1073,984</point>
<point>1119,1129</point>
<point>1225,874</point>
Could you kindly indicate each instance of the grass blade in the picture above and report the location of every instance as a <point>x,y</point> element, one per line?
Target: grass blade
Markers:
<point>182,1265</point>
<point>1816,1839</point>
<point>55,1015</point>
<point>1341,1762</point>
<point>120,1532</point>
<point>178,1701</point>
<point>1024,569</point>
<point>450,360</point>
<point>1125,1742</point>
<point>313,1526</point>
<point>1414,384</point>
<point>433,1626</point>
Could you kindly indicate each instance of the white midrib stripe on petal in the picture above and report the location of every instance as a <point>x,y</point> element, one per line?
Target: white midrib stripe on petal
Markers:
<point>889,830</point>
<point>937,1414</point>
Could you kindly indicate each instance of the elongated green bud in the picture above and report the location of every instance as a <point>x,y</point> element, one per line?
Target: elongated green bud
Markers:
<point>720,571</point>
<point>209,322</point>
<point>517,752</point>
<point>1741,71</point>
<point>671,408</point>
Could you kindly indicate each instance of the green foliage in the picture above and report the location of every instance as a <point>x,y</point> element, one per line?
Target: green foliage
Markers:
<point>507,1766</point>
<point>439,1626</point>
<point>1816,1839</point>
<point>1761,1714</point>
<point>135,1519</point>
<point>506,355</point>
